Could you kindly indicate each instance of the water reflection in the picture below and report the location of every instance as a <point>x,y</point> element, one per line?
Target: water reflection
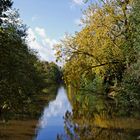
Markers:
<point>97,118</point>
<point>21,126</point>
<point>51,123</point>
<point>82,117</point>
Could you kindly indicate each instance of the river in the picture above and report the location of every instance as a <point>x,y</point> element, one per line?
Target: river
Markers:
<point>47,127</point>
<point>62,119</point>
<point>51,122</point>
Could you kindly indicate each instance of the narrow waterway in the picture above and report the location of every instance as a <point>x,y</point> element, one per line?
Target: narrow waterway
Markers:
<point>47,126</point>
<point>61,120</point>
<point>51,123</point>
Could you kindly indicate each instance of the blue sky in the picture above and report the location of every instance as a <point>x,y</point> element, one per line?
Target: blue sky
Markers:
<point>48,21</point>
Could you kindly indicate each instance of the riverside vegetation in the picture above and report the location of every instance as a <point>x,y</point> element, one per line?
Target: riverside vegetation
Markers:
<point>23,77</point>
<point>101,71</point>
<point>103,58</point>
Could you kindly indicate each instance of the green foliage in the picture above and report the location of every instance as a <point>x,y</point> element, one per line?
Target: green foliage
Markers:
<point>135,21</point>
<point>53,74</point>
<point>4,6</point>
<point>129,94</point>
<point>129,97</point>
<point>18,76</point>
<point>22,76</point>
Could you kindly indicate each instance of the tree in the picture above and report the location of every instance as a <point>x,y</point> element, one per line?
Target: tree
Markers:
<point>129,96</point>
<point>4,6</point>
<point>20,78</point>
<point>99,48</point>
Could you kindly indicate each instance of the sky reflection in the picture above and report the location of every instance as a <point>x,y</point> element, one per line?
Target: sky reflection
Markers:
<point>51,122</point>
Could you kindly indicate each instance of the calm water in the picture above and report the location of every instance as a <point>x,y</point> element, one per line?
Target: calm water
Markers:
<point>51,122</point>
<point>65,118</point>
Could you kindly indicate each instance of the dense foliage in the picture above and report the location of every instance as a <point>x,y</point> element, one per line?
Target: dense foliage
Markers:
<point>4,6</point>
<point>22,75</point>
<point>105,52</point>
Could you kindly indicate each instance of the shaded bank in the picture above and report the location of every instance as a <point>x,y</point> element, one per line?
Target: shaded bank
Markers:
<point>22,126</point>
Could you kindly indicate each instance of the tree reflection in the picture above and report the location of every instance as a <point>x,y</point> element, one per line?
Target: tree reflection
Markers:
<point>97,118</point>
<point>22,126</point>
<point>31,110</point>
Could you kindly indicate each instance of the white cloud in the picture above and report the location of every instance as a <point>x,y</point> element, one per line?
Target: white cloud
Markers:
<point>56,110</point>
<point>40,31</point>
<point>78,22</point>
<point>38,41</point>
<point>31,40</point>
<point>78,2</point>
<point>74,3</point>
<point>34,18</point>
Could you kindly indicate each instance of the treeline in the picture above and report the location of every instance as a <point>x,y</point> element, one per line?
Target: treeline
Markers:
<point>22,75</point>
<point>103,58</point>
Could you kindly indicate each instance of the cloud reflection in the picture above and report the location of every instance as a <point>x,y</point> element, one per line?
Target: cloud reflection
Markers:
<point>53,114</point>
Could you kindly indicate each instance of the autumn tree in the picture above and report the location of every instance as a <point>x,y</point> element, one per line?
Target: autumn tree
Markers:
<point>99,48</point>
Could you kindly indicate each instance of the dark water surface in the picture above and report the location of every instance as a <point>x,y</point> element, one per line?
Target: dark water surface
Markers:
<point>67,119</point>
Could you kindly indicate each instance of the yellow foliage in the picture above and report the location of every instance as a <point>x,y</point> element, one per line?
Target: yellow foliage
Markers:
<point>98,46</point>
